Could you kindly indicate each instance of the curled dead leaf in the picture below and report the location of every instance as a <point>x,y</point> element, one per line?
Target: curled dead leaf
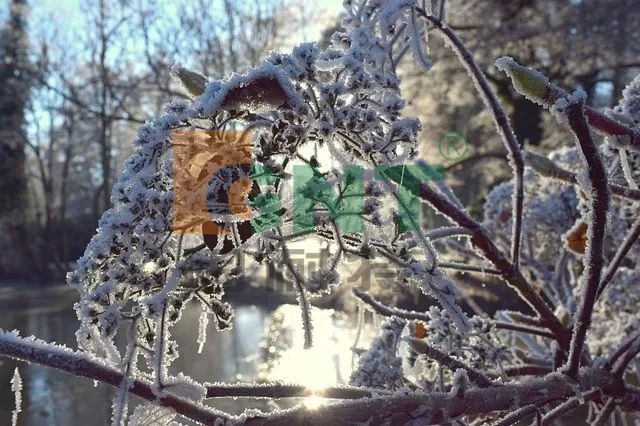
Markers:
<point>576,238</point>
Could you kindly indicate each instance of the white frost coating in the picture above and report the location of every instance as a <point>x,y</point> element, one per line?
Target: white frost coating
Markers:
<point>380,366</point>
<point>203,321</point>
<point>417,45</point>
<point>16,388</point>
<point>121,402</point>
<point>505,63</point>
<point>560,106</point>
<point>459,382</point>
<point>582,179</point>
<point>151,415</point>
<point>185,387</point>
<point>216,95</point>
<point>626,168</point>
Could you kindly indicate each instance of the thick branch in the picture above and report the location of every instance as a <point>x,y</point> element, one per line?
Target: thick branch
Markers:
<point>283,390</point>
<point>439,408</point>
<point>83,365</point>
<point>594,257</point>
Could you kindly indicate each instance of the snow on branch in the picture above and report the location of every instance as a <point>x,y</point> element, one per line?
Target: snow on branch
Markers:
<point>596,223</point>
<point>32,350</point>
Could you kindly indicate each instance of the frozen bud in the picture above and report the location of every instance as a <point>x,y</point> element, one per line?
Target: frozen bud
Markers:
<point>540,163</point>
<point>528,82</point>
<point>193,82</point>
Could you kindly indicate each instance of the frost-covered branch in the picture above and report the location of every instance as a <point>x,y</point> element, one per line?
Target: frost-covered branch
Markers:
<point>439,408</point>
<point>284,390</point>
<point>597,223</point>
<point>451,363</point>
<point>502,123</point>
<point>85,365</point>
<point>385,310</point>
<point>484,243</point>
<point>548,168</point>
<point>521,328</point>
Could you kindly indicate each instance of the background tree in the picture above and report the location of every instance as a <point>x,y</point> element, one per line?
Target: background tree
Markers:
<point>14,94</point>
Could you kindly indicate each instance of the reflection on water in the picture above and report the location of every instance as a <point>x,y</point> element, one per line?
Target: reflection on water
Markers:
<point>55,398</point>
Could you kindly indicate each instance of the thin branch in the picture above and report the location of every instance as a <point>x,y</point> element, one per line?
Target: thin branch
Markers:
<point>621,253</point>
<point>387,311</point>
<point>622,364</point>
<point>603,415</point>
<point>518,415</point>
<point>502,123</point>
<point>468,268</point>
<point>548,168</point>
<point>522,370</point>
<point>569,406</point>
<point>502,325</point>
<point>446,232</point>
<point>594,258</point>
<point>621,349</point>
<point>452,364</point>
<point>500,155</point>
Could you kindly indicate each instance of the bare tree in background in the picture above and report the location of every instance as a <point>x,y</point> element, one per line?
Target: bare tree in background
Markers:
<point>89,95</point>
<point>14,93</point>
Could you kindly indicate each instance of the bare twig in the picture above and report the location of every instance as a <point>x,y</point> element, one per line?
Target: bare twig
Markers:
<point>468,268</point>
<point>517,415</point>
<point>621,253</point>
<point>522,370</point>
<point>621,349</point>
<point>521,328</point>
<point>548,168</point>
